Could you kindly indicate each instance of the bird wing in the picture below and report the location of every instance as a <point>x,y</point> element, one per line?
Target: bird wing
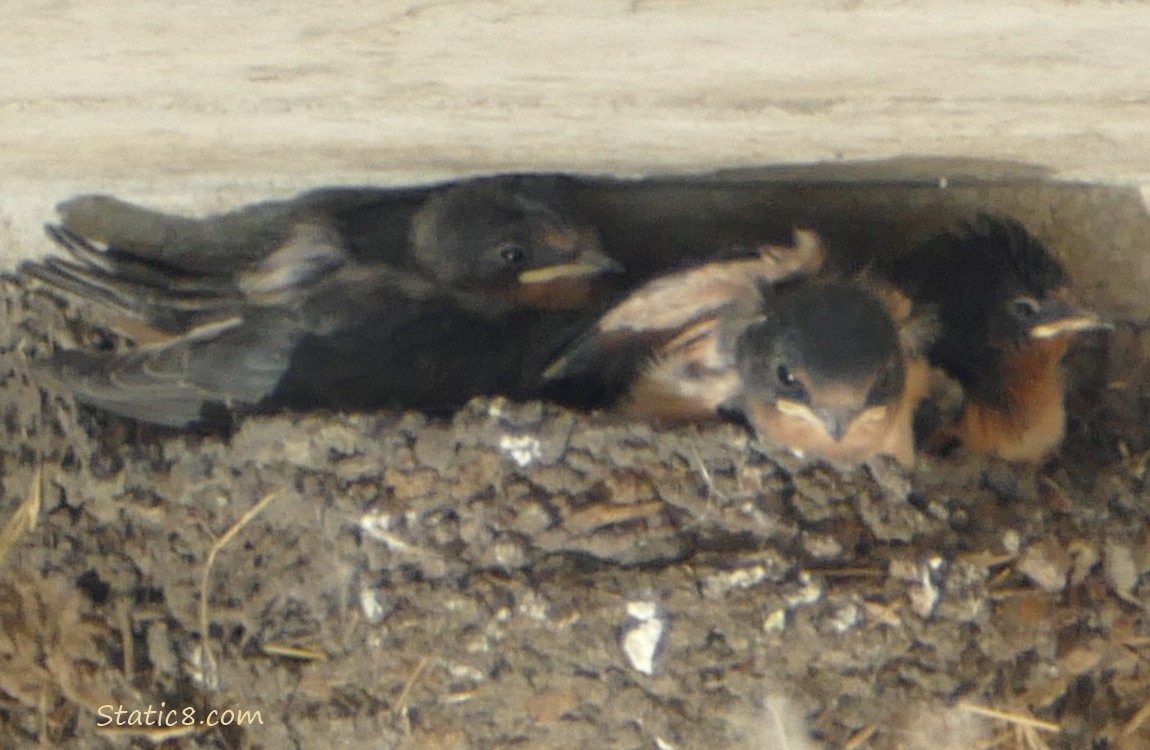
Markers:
<point>663,309</point>
<point>359,337</point>
<point>234,363</point>
<point>237,361</point>
<point>215,247</point>
<point>170,385</point>
<point>143,299</point>
<point>692,377</point>
<point>186,339</point>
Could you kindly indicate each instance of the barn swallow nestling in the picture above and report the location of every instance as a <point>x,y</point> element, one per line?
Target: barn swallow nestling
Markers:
<point>825,370</point>
<point>1006,317</point>
<point>831,368</point>
<point>308,324</point>
<point>516,238</point>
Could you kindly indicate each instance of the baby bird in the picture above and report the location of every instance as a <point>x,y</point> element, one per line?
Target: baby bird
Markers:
<point>1006,317</point>
<point>311,324</point>
<point>516,239</point>
<point>827,367</point>
<point>829,371</point>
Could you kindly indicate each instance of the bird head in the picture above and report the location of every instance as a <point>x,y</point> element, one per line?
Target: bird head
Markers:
<point>515,237</point>
<point>825,357</point>
<point>997,286</point>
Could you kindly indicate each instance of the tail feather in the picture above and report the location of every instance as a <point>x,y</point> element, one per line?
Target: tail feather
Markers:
<point>141,387</point>
<point>193,340</point>
<point>122,294</point>
<point>138,270</point>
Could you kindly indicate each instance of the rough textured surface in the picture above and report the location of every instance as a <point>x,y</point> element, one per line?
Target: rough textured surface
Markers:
<point>520,575</point>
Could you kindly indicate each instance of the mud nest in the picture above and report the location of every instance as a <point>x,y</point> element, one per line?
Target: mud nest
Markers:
<point>523,575</point>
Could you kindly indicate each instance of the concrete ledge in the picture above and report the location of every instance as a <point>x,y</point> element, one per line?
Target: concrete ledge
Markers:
<point>293,92</point>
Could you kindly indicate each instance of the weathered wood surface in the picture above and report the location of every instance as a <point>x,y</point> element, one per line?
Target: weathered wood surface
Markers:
<point>200,106</point>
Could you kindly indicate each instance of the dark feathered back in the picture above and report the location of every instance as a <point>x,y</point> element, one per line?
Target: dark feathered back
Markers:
<point>989,254</point>
<point>971,276</point>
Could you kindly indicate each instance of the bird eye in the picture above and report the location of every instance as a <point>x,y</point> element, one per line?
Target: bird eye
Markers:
<point>790,383</point>
<point>512,254</point>
<point>1026,308</point>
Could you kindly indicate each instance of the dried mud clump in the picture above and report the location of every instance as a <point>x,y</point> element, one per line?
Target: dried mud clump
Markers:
<point>523,575</point>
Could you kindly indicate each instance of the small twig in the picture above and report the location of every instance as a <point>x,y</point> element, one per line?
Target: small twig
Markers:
<point>861,737</point>
<point>350,626</point>
<point>781,734</point>
<point>209,663</point>
<point>1028,737</point>
<point>24,519</point>
<point>155,736</point>
<point>126,641</point>
<point>401,702</point>
<point>706,473</point>
<point>294,652</point>
<point>849,572</point>
<point>1018,719</point>
<point>43,708</point>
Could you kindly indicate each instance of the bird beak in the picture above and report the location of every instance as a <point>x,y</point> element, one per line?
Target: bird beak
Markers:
<point>587,266</point>
<point>587,261</point>
<point>1060,315</point>
<point>1069,321</point>
<point>577,284</point>
<point>837,421</point>
<point>565,271</point>
<point>1069,325</point>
